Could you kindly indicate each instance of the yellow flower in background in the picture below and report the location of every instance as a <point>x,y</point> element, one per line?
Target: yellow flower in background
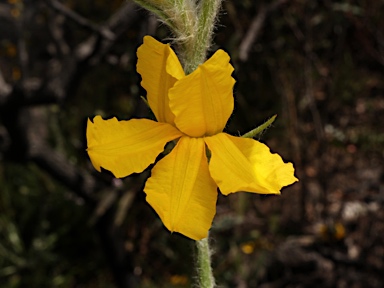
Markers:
<point>192,110</point>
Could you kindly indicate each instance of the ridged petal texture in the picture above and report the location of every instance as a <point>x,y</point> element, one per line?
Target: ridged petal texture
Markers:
<point>195,108</point>
<point>203,101</point>
<point>126,147</point>
<point>243,164</point>
<point>159,68</point>
<point>181,190</point>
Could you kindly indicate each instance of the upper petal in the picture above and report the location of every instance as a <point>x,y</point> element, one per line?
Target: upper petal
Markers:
<point>242,164</point>
<point>203,100</point>
<point>126,147</point>
<point>159,68</point>
<point>181,190</point>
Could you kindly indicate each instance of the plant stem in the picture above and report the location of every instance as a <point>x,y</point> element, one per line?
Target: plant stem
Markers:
<point>203,261</point>
<point>253,133</point>
<point>192,22</point>
<point>196,46</point>
<point>193,57</point>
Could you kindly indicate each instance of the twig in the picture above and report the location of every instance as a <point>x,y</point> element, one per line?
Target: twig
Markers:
<point>309,94</point>
<point>255,28</point>
<point>93,49</point>
<point>57,32</point>
<point>5,89</point>
<point>54,86</point>
<point>127,14</point>
<point>80,20</point>
<point>22,52</point>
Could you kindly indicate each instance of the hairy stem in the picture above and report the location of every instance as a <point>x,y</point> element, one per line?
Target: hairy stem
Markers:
<point>196,51</point>
<point>203,262</point>
<point>192,23</point>
<point>253,133</point>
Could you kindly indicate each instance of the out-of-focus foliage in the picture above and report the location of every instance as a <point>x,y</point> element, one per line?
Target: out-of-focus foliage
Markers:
<point>43,232</point>
<point>317,64</point>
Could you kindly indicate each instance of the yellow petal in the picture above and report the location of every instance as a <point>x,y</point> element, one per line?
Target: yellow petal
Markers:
<point>203,101</point>
<point>160,69</point>
<point>126,147</point>
<point>181,190</point>
<point>242,164</point>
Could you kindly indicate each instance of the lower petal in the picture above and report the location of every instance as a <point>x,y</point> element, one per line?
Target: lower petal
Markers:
<point>242,164</point>
<point>182,191</point>
<point>126,147</point>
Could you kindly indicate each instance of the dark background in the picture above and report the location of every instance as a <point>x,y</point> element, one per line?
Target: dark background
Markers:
<point>319,65</point>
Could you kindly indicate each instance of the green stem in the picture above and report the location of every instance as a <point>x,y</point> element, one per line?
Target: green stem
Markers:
<point>253,133</point>
<point>193,25</point>
<point>195,54</point>
<point>203,261</point>
<point>195,51</point>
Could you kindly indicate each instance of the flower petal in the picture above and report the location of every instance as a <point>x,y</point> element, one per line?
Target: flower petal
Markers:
<point>159,68</point>
<point>181,190</point>
<point>126,147</point>
<point>241,164</point>
<point>203,101</point>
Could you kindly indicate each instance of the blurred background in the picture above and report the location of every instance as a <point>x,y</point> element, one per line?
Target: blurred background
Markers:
<point>319,65</point>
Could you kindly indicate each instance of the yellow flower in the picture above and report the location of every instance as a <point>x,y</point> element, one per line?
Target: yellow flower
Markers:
<point>192,110</point>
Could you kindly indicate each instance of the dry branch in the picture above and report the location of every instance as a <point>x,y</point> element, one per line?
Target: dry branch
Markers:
<point>255,28</point>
